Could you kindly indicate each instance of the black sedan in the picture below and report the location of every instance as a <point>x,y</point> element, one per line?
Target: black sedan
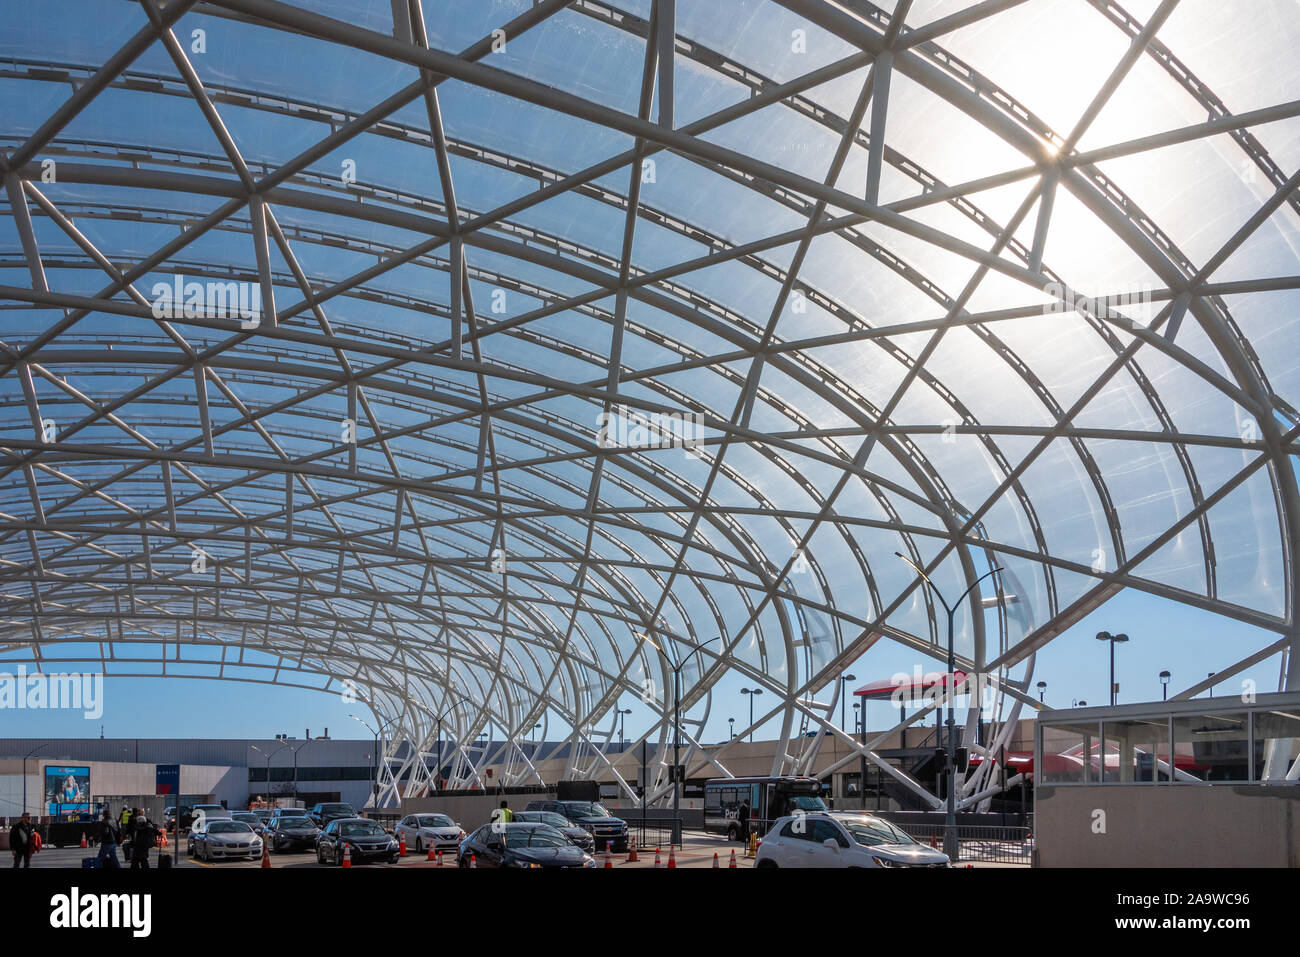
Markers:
<point>367,841</point>
<point>578,836</point>
<point>523,845</point>
<point>292,832</point>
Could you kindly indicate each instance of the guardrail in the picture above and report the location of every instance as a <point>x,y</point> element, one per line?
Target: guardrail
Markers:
<point>991,843</point>
<point>654,831</point>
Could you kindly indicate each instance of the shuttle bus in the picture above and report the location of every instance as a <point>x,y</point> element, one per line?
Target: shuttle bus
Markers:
<point>769,799</point>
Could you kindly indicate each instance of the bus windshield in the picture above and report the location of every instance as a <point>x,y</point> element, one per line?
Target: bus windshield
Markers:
<point>804,802</point>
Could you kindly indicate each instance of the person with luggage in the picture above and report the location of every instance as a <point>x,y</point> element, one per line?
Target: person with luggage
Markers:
<point>110,835</point>
<point>144,836</point>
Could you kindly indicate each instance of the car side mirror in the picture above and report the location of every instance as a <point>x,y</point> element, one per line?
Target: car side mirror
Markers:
<point>833,844</point>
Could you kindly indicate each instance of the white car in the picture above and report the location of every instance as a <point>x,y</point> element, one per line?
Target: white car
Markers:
<point>429,830</point>
<point>224,839</point>
<point>843,839</point>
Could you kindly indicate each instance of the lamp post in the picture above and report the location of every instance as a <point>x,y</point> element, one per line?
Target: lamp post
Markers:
<point>31,753</point>
<point>376,733</point>
<point>731,722</point>
<point>677,708</point>
<point>1114,640</point>
<point>1164,685</point>
<point>438,759</point>
<point>268,757</point>
<point>751,694</point>
<point>844,679</point>
<point>950,814</point>
<point>1042,690</point>
<point>622,713</point>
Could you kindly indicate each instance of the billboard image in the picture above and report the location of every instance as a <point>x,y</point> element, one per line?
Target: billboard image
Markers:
<point>67,789</point>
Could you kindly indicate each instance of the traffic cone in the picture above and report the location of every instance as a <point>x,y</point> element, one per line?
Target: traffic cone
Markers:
<point>434,855</point>
<point>347,855</point>
<point>473,862</point>
<point>732,865</point>
<point>631,850</point>
<point>657,864</point>
<point>672,858</point>
<point>401,846</point>
<point>609,862</point>
<point>715,860</point>
<point>83,839</point>
<point>266,857</point>
<point>440,858</point>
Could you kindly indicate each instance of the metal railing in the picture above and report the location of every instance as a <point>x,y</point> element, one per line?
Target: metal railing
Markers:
<point>990,843</point>
<point>654,831</point>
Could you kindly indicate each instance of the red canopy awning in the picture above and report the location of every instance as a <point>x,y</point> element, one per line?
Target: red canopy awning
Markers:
<point>914,687</point>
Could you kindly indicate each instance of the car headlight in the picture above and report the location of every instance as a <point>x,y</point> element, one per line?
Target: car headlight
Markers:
<point>885,862</point>
<point>588,862</point>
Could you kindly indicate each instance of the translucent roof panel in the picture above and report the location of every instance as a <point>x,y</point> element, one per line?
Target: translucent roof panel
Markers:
<point>503,358</point>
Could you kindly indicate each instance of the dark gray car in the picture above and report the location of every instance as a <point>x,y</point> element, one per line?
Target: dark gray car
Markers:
<point>580,837</point>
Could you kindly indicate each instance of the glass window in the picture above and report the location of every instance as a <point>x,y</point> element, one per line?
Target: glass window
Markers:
<point>1277,742</point>
<point>1218,745</point>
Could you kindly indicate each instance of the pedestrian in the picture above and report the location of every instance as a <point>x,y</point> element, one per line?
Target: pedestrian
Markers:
<point>503,814</point>
<point>143,838</point>
<point>742,817</point>
<point>22,841</point>
<point>109,837</point>
<point>124,818</point>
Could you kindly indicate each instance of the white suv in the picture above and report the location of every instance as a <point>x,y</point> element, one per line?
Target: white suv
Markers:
<point>843,839</point>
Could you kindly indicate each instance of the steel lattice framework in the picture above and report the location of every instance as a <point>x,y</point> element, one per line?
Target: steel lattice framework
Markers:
<point>813,235</point>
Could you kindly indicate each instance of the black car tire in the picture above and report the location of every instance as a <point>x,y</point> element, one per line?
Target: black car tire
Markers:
<point>766,863</point>
<point>419,845</point>
<point>338,857</point>
<point>320,857</point>
<point>733,833</point>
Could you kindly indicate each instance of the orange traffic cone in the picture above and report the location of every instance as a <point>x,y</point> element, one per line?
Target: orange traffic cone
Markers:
<point>609,862</point>
<point>433,855</point>
<point>732,865</point>
<point>657,863</point>
<point>672,857</point>
<point>266,857</point>
<point>83,839</point>
<point>631,850</point>
<point>473,861</point>
<point>715,860</point>
<point>401,846</point>
<point>347,855</point>
<point>440,858</point>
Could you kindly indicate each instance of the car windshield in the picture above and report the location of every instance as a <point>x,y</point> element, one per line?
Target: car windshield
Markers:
<point>872,831</point>
<point>246,817</point>
<point>435,820</point>
<point>804,802</point>
<point>538,836</point>
<point>293,820</point>
<point>229,827</point>
<point>361,829</point>
<point>586,809</point>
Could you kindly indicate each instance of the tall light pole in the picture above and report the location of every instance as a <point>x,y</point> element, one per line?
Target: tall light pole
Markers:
<point>438,759</point>
<point>268,757</point>
<point>677,709</point>
<point>751,694</point>
<point>950,815</point>
<point>1114,640</point>
<point>844,679</point>
<point>622,713</point>
<point>1042,690</point>
<point>1164,685</point>
<point>31,753</point>
<point>731,723</point>
<point>376,733</point>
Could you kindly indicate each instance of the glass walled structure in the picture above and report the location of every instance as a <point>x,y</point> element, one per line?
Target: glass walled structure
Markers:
<point>491,360</point>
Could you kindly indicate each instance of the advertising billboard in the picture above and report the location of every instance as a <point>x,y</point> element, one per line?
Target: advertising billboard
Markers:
<point>67,789</point>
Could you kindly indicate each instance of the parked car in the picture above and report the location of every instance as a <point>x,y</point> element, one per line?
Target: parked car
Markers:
<point>429,830</point>
<point>592,817</point>
<point>524,845</point>
<point>170,815</point>
<point>578,836</point>
<point>203,812</point>
<point>366,839</point>
<point>251,819</point>
<point>224,839</point>
<point>843,839</point>
<point>290,829</point>
<point>323,813</point>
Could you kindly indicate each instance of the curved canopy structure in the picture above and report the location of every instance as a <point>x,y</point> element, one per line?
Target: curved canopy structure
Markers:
<point>499,359</point>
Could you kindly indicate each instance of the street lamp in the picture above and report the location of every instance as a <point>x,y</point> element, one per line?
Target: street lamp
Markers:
<point>1114,640</point>
<point>622,713</point>
<point>950,815</point>
<point>376,733</point>
<point>1042,690</point>
<point>268,765</point>
<point>438,759</point>
<point>844,679</point>
<point>1164,685</point>
<point>751,709</point>
<point>31,753</point>
<point>677,708</point>
<point>731,722</point>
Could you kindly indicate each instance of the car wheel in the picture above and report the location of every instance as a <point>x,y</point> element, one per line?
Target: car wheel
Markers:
<point>733,833</point>
<point>338,858</point>
<point>320,858</point>
<point>419,845</point>
<point>766,863</point>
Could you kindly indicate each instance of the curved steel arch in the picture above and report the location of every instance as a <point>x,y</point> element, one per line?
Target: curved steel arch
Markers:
<point>473,549</point>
